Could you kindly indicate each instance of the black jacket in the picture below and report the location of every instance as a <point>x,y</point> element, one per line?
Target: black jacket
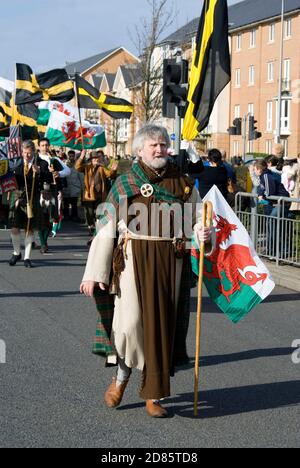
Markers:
<point>44,176</point>
<point>213,176</point>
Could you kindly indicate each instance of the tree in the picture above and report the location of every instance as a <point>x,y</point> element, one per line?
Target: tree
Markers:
<point>148,34</point>
<point>114,136</point>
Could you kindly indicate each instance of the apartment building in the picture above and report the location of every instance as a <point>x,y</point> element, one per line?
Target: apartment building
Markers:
<point>255,41</point>
<point>113,72</point>
<point>126,83</point>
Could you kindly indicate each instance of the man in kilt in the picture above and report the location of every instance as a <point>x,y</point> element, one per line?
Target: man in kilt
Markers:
<point>25,211</point>
<point>59,172</point>
<point>144,268</point>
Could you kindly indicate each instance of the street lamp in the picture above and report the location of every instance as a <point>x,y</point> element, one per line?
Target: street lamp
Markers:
<point>278,129</point>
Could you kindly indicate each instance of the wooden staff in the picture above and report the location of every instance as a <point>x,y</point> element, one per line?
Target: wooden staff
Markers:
<point>30,202</point>
<point>79,115</point>
<point>206,219</point>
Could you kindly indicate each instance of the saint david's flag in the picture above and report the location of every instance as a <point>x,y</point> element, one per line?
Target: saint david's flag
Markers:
<point>211,69</point>
<point>53,85</point>
<point>91,98</point>
<point>234,275</point>
<point>64,130</point>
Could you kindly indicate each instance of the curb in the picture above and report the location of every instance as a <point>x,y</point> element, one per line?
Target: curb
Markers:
<point>285,276</point>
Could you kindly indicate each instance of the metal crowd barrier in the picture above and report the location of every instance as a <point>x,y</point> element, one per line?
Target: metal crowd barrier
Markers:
<point>273,229</point>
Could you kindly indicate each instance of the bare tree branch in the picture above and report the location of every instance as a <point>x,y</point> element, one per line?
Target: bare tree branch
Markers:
<point>147,37</point>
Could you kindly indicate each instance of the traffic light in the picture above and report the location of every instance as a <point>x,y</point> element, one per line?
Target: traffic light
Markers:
<point>237,127</point>
<point>175,80</point>
<point>253,133</point>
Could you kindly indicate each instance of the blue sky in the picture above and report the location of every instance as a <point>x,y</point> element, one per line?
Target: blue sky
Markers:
<point>46,33</point>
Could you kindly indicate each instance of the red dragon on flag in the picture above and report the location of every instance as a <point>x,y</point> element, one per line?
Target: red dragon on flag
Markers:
<point>234,275</point>
<point>73,134</point>
<point>234,261</point>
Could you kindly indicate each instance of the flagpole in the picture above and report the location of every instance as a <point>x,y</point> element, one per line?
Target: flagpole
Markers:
<point>79,115</point>
<point>206,220</point>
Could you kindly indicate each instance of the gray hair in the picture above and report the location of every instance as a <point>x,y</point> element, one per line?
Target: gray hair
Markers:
<point>149,132</point>
<point>28,144</point>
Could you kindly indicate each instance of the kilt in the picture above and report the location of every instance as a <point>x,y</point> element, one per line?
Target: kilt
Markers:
<point>102,345</point>
<point>17,217</point>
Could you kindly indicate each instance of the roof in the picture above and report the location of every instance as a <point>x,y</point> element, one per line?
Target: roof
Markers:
<point>132,75</point>
<point>240,14</point>
<point>97,80</point>
<point>254,11</point>
<point>110,77</point>
<point>83,65</point>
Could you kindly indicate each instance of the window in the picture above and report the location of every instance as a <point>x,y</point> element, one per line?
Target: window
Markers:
<point>251,75</point>
<point>269,146</point>
<point>253,38</point>
<point>236,148</point>
<point>166,52</point>
<point>238,42</point>
<point>270,71</point>
<point>250,146</point>
<point>238,77</point>
<point>285,114</point>
<point>123,129</point>
<point>286,75</point>
<point>272,32</point>
<point>288,29</point>
<point>269,116</point>
<point>287,69</point>
<point>237,111</point>
<point>251,109</point>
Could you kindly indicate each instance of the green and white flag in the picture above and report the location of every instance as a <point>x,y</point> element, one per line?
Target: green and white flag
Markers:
<point>64,130</point>
<point>234,275</point>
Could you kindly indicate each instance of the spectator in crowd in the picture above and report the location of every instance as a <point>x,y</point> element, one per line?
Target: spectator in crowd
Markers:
<point>96,186</point>
<point>278,151</point>
<point>275,165</point>
<point>215,174</point>
<point>230,171</point>
<point>270,186</point>
<point>291,180</point>
<point>73,189</point>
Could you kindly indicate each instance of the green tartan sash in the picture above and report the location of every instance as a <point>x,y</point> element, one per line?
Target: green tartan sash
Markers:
<point>129,185</point>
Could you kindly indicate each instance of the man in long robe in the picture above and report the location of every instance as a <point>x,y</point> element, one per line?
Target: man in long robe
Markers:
<point>145,269</point>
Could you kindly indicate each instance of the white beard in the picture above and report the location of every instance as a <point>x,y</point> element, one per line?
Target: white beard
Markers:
<point>158,163</point>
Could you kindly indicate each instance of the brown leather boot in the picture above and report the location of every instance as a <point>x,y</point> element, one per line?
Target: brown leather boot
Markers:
<point>113,395</point>
<point>155,410</point>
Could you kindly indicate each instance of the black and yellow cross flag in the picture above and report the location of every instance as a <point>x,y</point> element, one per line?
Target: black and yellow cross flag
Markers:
<point>211,70</point>
<point>90,98</point>
<point>53,85</point>
<point>10,114</point>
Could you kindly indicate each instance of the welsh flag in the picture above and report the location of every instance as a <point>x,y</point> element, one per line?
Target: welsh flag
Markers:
<point>234,275</point>
<point>46,107</point>
<point>64,130</point>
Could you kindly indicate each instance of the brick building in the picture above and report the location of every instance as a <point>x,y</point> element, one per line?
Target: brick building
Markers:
<point>255,40</point>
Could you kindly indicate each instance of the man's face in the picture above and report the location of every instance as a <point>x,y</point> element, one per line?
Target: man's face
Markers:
<point>44,147</point>
<point>96,162</point>
<point>155,153</point>
<point>71,158</point>
<point>27,154</point>
<point>257,171</point>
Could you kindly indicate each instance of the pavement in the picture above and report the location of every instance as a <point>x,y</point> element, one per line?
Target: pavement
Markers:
<point>52,386</point>
<point>285,275</point>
